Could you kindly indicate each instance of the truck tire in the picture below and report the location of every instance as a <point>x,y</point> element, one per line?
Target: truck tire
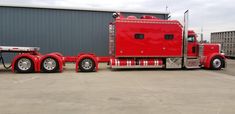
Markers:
<point>49,65</point>
<point>87,65</point>
<point>24,65</point>
<point>216,63</point>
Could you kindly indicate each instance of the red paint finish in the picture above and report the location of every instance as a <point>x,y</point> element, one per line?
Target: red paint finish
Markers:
<point>153,44</point>
<point>138,62</point>
<point>81,56</point>
<point>103,59</point>
<point>207,59</point>
<point>193,46</point>
<point>70,58</point>
<point>57,56</point>
<point>34,58</point>
<point>210,51</point>
<point>88,55</point>
<point>148,17</point>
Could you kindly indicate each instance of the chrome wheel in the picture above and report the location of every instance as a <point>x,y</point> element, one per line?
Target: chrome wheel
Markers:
<point>87,64</point>
<point>217,63</point>
<point>24,64</point>
<point>49,64</point>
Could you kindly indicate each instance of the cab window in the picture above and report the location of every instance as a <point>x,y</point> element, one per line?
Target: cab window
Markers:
<point>191,39</point>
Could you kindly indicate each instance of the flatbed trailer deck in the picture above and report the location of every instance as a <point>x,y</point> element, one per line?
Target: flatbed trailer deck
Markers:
<point>18,49</point>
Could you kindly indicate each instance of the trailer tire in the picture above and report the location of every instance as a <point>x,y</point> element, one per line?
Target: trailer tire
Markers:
<point>217,63</point>
<point>49,65</point>
<point>24,65</point>
<point>87,65</point>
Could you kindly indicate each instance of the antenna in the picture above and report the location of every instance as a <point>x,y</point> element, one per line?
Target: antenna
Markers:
<point>169,16</point>
<point>202,35</point>
<point>166,6</point>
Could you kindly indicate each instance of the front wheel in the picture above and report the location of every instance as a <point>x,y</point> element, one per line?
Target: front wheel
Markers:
<point>217,63</point>
<point>87,65</point>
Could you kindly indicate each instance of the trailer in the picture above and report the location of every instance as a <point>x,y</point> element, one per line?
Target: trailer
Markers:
<point>146,42</point>
<point>30,60</point>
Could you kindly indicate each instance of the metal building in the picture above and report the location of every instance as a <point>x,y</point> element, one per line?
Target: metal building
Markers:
<point>227,41</point>
<point>65,30</point>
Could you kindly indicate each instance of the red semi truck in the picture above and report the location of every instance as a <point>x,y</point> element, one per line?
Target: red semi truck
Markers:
<point>146,42</point>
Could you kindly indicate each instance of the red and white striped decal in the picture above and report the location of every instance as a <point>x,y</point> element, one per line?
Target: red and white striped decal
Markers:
<point>150,62</point>
<point>132,62</point>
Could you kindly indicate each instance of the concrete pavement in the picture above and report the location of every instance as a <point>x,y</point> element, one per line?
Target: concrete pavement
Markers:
<point>119,92</point>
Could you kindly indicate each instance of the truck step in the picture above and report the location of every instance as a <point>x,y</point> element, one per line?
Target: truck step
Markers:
<point>193,63</point>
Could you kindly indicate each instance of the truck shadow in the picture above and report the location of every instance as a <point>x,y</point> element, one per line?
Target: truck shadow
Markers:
<point>155,69</point>
<point>2,71</point>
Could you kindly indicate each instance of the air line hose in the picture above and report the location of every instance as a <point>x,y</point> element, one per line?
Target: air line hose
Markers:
<point>3,63</point>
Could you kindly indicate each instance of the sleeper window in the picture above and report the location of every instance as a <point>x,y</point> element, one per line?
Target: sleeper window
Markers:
<point>139,36</point>
<point>169,37</point>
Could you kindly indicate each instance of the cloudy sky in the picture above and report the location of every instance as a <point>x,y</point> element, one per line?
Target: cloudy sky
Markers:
<point>212,15</point>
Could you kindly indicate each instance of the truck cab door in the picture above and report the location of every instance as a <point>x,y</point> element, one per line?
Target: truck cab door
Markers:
<point>192,47</point>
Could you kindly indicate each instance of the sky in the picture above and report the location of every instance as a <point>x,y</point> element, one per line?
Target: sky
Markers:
<point>211,15</point>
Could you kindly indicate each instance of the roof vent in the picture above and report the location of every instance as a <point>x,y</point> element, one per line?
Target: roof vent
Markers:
<point>148,17</point>
<point>131,17</point>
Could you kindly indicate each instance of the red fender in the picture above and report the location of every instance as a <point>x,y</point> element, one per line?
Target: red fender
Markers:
<point>57,53</point>
<point>60,55</point>
<point>207,60</point>
<point>34,58</point>
<point>55,56</point>
<point>82,56</point>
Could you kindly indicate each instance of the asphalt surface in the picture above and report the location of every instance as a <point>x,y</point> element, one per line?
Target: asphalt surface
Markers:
<point>119,92</point>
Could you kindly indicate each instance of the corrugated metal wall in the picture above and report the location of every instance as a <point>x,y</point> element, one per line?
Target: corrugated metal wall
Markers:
<point>65,31</point>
